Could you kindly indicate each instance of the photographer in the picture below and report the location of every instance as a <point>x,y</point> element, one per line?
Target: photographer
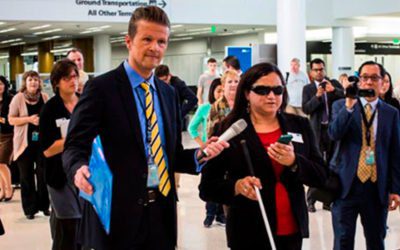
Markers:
<point>367,133</point>
<point>318,97</point>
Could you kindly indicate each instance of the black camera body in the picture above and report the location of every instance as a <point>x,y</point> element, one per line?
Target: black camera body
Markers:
<point>352,91</point>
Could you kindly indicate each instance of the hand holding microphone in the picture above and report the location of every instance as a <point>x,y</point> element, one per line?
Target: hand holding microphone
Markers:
<point>215,145</point>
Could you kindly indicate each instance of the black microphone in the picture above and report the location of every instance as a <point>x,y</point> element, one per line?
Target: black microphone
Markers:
<point>231,132</point>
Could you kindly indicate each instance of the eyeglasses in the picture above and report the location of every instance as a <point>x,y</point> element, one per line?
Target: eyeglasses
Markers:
<point>320,69</point>
<point>68,78</point>
<point>373,78</point>
<point>265,90</point>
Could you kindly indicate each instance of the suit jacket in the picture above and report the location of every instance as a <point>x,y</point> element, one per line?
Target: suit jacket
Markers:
<point>314,106</point>
<point>245,228</point>
<point>345,129</point>
<point>107,107</point>
<point>187,98</point>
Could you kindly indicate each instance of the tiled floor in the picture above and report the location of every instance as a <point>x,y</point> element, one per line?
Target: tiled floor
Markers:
<point>35,235</point>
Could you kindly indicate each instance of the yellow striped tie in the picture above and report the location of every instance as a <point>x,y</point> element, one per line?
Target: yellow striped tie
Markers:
<point>155,142</point>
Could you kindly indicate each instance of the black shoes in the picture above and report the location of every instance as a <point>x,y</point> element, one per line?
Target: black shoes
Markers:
<point>30,216</point>
<point>208,221</point>
<point>46,212</point>
<point>311,208</point>
<point>326,207</point>
<point>221,220</point>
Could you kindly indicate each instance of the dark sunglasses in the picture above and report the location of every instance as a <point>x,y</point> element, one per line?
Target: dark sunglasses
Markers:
<point>265,90</point>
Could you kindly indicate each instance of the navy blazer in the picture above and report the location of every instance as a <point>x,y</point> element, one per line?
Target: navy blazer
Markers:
<point>107,107</point>
<point>245,228</point>
<point>345,129</point>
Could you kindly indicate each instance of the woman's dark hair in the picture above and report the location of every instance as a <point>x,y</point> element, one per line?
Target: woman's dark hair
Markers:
<point>6,87</point>
<point>62,69</point>
<point>246,82</point>
<point>389,93</point>
<point>214,84</point>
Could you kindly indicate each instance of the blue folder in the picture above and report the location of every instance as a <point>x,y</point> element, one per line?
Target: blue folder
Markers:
<point>101,179</point>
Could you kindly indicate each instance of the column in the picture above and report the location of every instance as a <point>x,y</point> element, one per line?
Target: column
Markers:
<point>291,30</point>
<point>45,57</point>
<point>102,53</point>
<point>16,62</point>
<point>86,46</point>
<point>342,51</point>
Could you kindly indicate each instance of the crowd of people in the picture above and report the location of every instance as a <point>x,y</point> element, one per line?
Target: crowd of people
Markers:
<point>138,110</point>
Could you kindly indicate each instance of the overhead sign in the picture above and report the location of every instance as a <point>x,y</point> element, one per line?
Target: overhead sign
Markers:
<point>76,10</point>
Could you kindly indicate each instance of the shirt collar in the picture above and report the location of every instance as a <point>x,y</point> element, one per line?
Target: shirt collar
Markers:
<point>135,79</point>
<point>373,103</point>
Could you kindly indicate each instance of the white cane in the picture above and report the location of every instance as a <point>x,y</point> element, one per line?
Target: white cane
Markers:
<point>259,198</point>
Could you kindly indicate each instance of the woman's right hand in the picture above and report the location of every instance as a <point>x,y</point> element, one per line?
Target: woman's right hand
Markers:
<point>246,185</point>
<point>34,119</point>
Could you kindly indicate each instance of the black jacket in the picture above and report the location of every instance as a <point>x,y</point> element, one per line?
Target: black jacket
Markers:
<point>107,108</point>
<point>245,227</point>
<point>187,98</point>
<point>314,106</point>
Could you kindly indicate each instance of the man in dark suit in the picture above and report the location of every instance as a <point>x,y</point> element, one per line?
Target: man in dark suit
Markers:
<point>318,97</point>
<point>187,98</point>
<point>138,119</point>
<point>367,132</point>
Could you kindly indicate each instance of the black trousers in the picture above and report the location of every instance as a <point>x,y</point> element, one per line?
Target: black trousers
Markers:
<point>34,195</point>
<point>214,209</point>
<point>156,232</point>
<point>362,200</point>
<point>326,149</point>
<point>64,232</point>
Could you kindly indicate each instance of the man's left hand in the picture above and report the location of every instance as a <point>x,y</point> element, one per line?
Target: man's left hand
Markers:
<point>213,148</point>
<point>394,201</point>
<point>329,87</point>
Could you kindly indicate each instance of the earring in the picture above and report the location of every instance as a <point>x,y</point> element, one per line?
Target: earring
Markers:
<point>248,108</point>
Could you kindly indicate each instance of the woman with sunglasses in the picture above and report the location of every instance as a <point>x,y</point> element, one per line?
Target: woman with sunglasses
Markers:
<point>280,170</point>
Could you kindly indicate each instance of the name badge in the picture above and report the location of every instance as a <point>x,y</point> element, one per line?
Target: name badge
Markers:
<point>35,136</point>
<point>369,157</point>
<point>296,137</point>
<point>152,177</point>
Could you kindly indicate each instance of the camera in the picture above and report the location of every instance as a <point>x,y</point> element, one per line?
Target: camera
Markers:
<point>352,91</point>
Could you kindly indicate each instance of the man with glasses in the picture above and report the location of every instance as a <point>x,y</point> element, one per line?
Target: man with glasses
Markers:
<point>318,97</point>
<point>367,132</point>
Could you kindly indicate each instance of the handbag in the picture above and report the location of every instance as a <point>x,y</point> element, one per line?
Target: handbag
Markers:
<point>329,192</point>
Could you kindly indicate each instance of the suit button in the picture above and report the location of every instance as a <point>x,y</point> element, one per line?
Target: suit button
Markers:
<point>140,201</point>
<point>144,176</point>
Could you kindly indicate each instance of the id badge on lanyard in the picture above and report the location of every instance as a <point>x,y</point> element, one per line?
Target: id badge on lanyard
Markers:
<point>369,156</point>
<point>152,175</point>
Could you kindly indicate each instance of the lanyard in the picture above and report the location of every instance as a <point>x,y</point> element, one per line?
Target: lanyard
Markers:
<point>143,106</point>
<point>367,123</point>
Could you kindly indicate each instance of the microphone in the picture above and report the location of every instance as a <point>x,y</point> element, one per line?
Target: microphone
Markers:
<point>231,132</point>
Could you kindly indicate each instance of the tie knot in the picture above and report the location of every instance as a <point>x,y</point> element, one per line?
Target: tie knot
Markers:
<point>368,107</point>
<point>145,86</point>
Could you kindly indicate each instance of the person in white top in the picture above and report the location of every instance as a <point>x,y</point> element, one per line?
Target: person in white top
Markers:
<point>295,82</point>
<point>203,86</point>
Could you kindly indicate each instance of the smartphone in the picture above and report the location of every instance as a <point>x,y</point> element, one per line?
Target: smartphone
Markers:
<point>285,139</point>
<point>323,85</point>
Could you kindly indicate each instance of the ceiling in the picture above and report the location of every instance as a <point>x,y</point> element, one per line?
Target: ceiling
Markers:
<point>25,33</point>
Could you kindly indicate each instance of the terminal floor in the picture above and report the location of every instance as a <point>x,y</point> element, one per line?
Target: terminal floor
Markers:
<point>35,234</point>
